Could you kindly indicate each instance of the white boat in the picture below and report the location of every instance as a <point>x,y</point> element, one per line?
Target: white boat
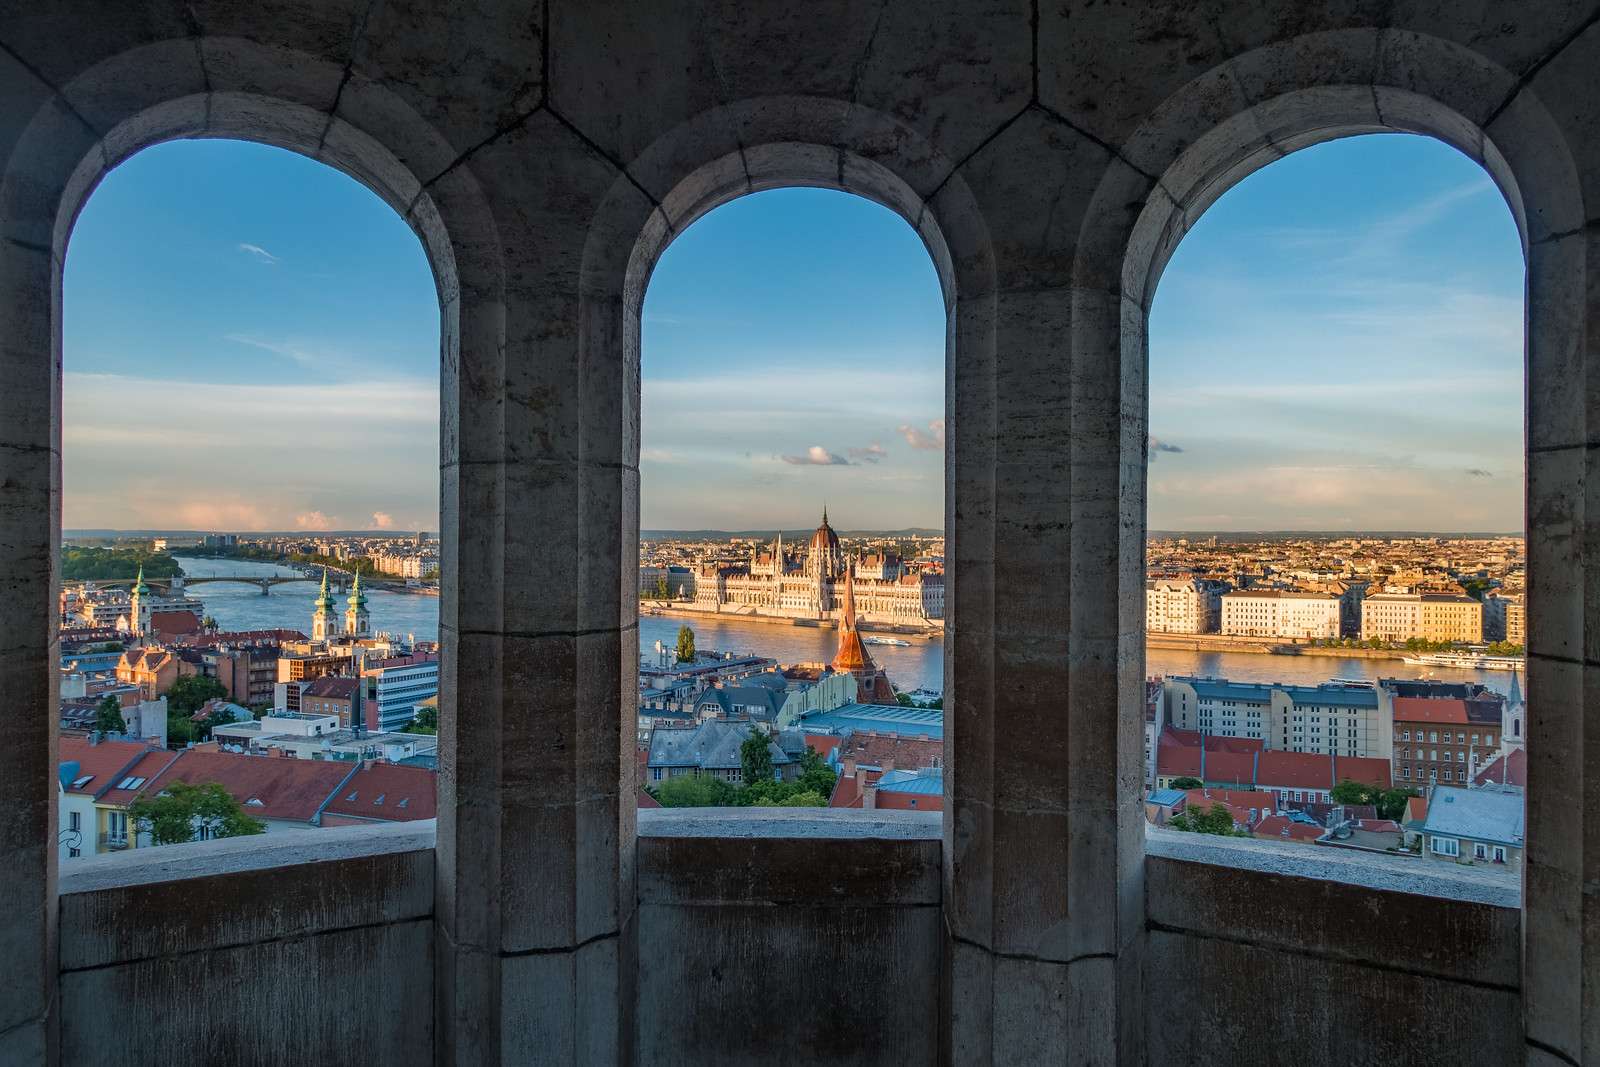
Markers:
<point>1467,661</point>
<point>895,641</point>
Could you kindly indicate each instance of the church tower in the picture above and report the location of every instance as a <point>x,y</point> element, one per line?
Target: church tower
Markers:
<point>322,620</point>
<point>356,621</point>
<point>139,606</point>
<point>1513,717</point>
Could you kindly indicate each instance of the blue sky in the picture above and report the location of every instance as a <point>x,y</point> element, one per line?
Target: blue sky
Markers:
<point>251,343</point>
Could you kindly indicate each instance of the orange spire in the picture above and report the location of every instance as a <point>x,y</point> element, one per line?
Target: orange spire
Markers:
<point>850,594</point>
<point>852,657</point>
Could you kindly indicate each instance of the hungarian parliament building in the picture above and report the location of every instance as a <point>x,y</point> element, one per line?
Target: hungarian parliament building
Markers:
<point>808,583</point>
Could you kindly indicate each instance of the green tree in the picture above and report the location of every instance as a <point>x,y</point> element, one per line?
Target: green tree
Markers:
<point>426,722</point>
<point>1348,792</point>
<point>685,645</point>
<point>1392,802</point>
<point>180,731</point>
<point>108,717</point>
<point>1187,782</point>
<point>755,757</point>
<point>191,691</point>
<point>695,791</point>
<point>815,774</point>
<point>662,592</point>
<point>805,798</point>
<point>1218,821</point>
<point>182,811</point>
<point>105,564</point>
<point>904,699</point>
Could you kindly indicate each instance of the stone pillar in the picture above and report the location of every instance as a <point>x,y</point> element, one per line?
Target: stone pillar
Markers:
<point>1043,892</point>
<point>41,141</point>
<point>536,828</point>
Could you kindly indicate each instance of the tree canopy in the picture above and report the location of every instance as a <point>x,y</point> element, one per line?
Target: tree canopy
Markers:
<point>755,756</point>
<point>1187,782</point>
<point>811,788</point>
<point>1217,820</point>
<point>685,645</point>
<point>108,716</point>
<point>184,812</point>
<point>426,722</point>
<point>105,564</point>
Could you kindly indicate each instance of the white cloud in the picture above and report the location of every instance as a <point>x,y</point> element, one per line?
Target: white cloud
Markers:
<point>932,439</point>
<point>261,254</point>
<point>313,520</point>
<point>873,453</point>
<point>817,456</point>
<point>382,520</point>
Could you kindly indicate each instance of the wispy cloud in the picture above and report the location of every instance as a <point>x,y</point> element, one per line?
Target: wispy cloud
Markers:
<point>296,353</point>
<point>931,439</point>
<point>817,456</point>
<point>1158,445</point>
<point>873,453</point>
<point>261,254</point>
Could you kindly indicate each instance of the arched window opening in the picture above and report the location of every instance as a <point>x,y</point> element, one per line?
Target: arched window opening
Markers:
<point>1335,590</point>
<point>791,556</point>
<point>249,504</point>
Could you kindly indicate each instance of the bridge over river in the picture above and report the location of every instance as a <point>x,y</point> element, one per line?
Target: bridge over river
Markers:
<point>338,581</point>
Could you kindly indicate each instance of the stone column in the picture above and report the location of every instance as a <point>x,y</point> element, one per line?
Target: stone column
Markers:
<point>1043,885</point>
<point>41,141</point>
<point>536,827</point>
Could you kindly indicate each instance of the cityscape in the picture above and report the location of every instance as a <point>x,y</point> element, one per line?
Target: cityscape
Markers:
<point>1301,689</point>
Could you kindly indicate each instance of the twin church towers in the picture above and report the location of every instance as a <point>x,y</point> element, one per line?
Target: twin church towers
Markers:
<point>325,624</point>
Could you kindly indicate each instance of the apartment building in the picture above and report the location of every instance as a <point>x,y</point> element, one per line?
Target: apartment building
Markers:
<point>1428,616</point>
<point>1280,613</point>
<point>394,687</point>
<point>1444,740</point>
<point>1516,618</point>
<point>1181,606</point>
<point>1332,718</point>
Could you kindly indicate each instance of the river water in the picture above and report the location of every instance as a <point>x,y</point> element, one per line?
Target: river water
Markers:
<point>921,665</point>
<point>242,607</point>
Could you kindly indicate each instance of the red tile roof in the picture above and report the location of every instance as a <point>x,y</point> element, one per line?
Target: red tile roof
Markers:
<point>1508,770</point>
<point>823,744</point>
<point>1427,709</point>
<point>1312,770</point>
<point>106,763</point>
<point>1281,827</point>
<point>1246,762</point>
<point>872,749</point>
<point>149,767</point>
<point>174,623</point>
<point>388,792</point>
<point>292,790</point>
<point>645,800</point>
<point>331,685</point>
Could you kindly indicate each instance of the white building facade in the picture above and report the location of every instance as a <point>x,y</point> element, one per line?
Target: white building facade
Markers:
<point>1280,613</point>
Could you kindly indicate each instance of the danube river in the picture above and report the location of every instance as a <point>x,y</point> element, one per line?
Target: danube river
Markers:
<point>242,607</point>
<point>920,665</point>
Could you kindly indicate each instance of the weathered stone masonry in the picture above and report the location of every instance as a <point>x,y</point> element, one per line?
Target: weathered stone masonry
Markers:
<point>1051,153</point>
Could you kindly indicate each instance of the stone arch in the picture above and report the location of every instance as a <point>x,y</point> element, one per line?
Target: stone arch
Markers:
<point>784,146</point>
<point>1258,107</point>
<point>64,140</point>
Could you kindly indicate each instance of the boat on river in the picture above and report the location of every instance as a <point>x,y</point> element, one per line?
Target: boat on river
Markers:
<point>1467,661</point>
<point>895,641</point>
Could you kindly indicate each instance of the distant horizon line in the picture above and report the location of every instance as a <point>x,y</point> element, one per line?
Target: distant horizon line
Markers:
<point>657,534</point>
